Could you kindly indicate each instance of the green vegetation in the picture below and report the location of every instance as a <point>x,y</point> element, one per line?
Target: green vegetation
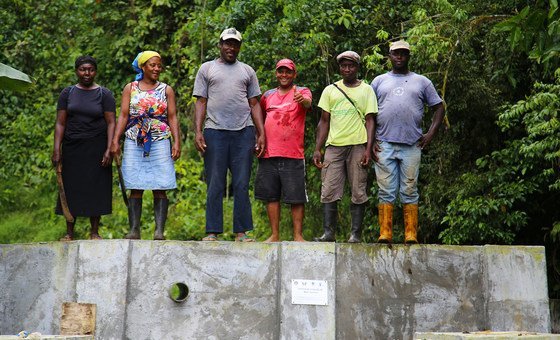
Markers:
<point>492,176</point>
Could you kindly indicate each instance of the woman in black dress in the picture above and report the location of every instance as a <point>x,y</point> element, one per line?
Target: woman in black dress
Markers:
<point>84,128</point>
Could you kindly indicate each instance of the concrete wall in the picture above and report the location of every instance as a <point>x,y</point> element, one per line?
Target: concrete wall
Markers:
<point>49,337</point>
<point>485,336</point>
<point>243,290</point>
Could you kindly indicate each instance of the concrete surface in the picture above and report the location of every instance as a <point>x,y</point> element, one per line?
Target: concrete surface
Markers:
<point>101,278</point>
<point>485,336</point>
<point>506,268</point>
<point>309,261</point>
<point>402,289</point>
<point>232,290</point>
<point>35,279</point>
<point>243,290</point>
<point>49,337</point>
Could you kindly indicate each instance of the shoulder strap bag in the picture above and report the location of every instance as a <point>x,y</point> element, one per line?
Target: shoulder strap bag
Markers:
<point>347,97</point>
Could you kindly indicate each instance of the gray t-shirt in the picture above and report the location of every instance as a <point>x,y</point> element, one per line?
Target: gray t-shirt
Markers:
<point>227,88</point>
<point>401,99</point>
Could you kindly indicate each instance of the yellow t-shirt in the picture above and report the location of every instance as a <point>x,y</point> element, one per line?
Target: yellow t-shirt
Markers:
<point>347,125</point>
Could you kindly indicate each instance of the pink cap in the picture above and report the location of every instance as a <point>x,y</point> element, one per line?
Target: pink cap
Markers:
<point>286,63</point>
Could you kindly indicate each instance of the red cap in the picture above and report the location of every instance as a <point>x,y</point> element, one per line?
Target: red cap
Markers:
<point>286,63</point>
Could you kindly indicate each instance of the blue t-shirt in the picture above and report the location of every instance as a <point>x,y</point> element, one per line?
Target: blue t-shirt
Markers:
<point>401,99</point>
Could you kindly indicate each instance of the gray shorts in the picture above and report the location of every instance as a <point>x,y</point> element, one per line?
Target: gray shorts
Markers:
<point>280,178</point>
<point>340,163</point>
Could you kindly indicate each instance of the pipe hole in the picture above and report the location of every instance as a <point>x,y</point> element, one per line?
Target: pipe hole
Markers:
<point>178,292</point>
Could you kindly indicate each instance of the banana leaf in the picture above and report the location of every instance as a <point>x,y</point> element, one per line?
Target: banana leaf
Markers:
<point>12,79</point>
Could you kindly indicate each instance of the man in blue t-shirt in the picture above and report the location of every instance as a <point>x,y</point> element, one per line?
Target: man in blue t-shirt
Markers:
<point>401,97</point>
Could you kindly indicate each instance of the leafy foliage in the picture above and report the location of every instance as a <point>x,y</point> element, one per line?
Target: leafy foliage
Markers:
<point>513,195</point>
<point>535,31</point>
<point>499,198</point>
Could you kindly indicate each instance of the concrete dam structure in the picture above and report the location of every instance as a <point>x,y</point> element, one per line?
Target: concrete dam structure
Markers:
<point>285,290</point>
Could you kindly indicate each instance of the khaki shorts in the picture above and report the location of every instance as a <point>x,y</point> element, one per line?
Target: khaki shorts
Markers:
<point>343,162</point>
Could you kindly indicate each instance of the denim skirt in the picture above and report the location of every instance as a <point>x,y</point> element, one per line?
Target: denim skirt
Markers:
<point>154,172</point>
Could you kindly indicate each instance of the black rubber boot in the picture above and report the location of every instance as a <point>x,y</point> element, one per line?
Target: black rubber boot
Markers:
<point>330,214</point>
<point>134,215</point>
<point>357,213</point>
<point>160,216</point>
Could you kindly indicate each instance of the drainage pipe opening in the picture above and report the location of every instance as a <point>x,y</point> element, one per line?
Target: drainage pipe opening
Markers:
<point>178,292</point>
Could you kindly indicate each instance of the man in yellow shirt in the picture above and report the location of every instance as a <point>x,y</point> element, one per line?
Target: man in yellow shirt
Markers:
<point>346,129</point>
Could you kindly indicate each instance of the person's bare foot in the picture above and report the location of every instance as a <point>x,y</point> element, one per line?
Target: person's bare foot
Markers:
<point>67,238</point>
<point>95,237</point>
<point>299,238</point>
<point>272,239</point>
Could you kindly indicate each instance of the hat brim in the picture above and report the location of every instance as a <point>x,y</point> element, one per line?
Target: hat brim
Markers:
<point>399,48</point>
<point>230,36</point>
<point>289,67</point>
<point>339,60</point>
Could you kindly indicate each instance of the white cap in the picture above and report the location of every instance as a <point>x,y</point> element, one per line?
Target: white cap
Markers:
<point>230,33</point>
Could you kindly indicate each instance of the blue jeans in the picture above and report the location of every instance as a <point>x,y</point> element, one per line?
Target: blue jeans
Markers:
<point>397,171</point>
<point>231,150</point>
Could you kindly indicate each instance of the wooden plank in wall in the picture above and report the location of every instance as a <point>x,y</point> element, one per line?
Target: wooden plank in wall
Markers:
<point>78,318</point>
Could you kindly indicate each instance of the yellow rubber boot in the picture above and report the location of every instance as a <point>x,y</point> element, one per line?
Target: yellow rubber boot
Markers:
<point>385,222</point>
<point>410,222</point>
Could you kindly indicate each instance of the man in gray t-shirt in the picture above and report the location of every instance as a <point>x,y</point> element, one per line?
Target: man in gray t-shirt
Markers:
<point>227,112</point>
<point>401,96</point>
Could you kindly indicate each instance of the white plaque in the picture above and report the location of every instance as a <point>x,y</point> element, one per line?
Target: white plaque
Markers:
<point>310,292</point>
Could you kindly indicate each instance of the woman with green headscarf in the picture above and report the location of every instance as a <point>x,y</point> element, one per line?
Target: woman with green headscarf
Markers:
<point>152,143</point>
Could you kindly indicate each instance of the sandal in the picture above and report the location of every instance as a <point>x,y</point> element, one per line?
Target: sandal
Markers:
<point>95,237</point>
<point>210,238</point>
<point>244,238</point>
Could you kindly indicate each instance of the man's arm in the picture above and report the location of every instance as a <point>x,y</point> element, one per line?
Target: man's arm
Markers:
<point>322,133</point>
<point>301,99</point>
<point>436,122</point>
<point>199,115</point>
<point>257,115</point>
<point>370,130</point>
<point>376,147</point>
